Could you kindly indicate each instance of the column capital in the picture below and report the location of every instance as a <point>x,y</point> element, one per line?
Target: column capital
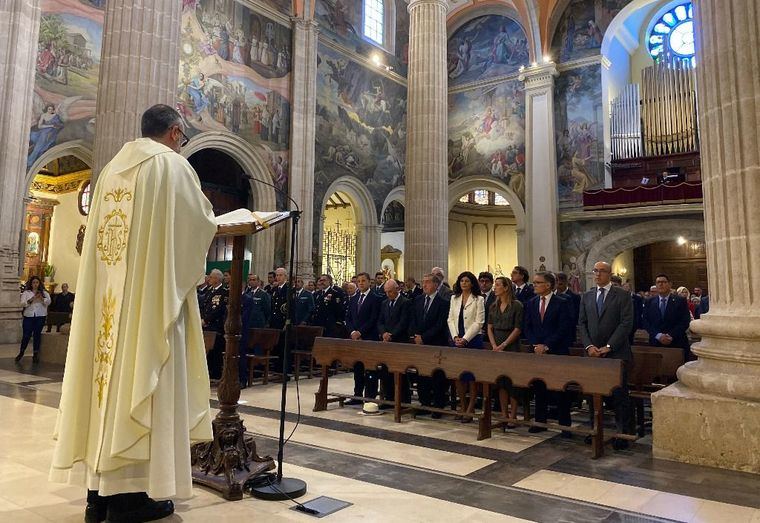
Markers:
<point>304,24</point>
<point>418,3</point>
<point>539,76</point>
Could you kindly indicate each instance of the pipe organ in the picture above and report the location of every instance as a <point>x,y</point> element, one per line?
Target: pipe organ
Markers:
<point>659,117</point>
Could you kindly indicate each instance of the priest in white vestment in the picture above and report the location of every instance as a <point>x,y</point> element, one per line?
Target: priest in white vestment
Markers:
<point>136,388</point>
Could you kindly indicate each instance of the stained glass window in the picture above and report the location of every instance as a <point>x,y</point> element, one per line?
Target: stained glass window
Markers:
<point>673,34</point>
<point>374,20</point>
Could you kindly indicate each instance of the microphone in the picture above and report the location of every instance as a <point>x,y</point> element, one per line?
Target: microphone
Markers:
<point>277,189</point>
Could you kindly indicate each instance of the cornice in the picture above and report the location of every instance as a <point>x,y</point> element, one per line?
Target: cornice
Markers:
<point>654,211</point>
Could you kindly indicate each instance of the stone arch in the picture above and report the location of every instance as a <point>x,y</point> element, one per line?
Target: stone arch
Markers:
<point>263,194</point>
<point>367,225</point>
<point>471,183</point>
<point>494,7</point>
<point>77,148</point>
<point>637,235</point>
<point>397,194</point>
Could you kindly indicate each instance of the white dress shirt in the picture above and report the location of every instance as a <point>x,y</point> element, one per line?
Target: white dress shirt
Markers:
<point>36,308</point>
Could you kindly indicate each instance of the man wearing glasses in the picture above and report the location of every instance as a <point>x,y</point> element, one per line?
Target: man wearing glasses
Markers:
<point>136,386</point>
<point>606,319</point>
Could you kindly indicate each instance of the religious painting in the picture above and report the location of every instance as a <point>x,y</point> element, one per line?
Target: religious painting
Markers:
<point>66,74</point>
<point>581,28</point>
<point>487,134</point>
<point>361,126</point>
<point>341,21</point>
<point>578,123</point>
<point>486,47</point>
<point>234,76</point>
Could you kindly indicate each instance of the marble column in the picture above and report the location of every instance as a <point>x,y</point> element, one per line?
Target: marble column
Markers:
<point>426,234</point>
<point>302,137</point>
<point>19,27</point>
<point>139,68</point>
<point>541,226</point>
<point>368,239</point>
<point>711,416</point>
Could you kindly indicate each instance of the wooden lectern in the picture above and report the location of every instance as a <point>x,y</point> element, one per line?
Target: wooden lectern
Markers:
<point>227,462</point>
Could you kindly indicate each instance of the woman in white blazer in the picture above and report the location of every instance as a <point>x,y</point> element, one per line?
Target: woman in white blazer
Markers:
<point>466,317</point>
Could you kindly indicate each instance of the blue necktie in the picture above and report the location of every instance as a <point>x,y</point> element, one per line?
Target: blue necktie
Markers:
<point>663,305</point>
<point>600,301</point>
<point>427,305</point>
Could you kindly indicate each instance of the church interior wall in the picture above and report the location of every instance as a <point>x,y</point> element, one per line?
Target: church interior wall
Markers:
<point>481,242</point>
<point>486,120</point>
<point>66,74</point>
<point>396,240</point>
<point>235,67</point>
<point>360,127</point>
<point>623,266</point>
<point>341,22</point>
<point>64,228</point>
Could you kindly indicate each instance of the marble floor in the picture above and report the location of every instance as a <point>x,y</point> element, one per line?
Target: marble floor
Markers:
<point>417,470</point>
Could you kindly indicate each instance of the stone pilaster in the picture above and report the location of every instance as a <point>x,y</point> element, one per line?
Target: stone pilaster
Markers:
<point>426,234</point>
<point>541,168</point>
<point>368,246</point>
<point>19,28</point>
<point>139,67</point>
<point>712,415</point>
<point>304,89</point>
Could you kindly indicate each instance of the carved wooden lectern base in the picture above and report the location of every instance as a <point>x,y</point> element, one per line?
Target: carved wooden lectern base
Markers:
<point>227,462</point>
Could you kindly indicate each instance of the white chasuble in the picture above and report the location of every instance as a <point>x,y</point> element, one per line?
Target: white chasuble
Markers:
<point>135,387</point>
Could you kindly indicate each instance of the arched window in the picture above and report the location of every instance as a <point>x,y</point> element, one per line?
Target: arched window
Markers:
<point>84,199</point>
<point>673,34</point>
<point>379,25</point>
<point>483,197</point>
<point>374,21</point>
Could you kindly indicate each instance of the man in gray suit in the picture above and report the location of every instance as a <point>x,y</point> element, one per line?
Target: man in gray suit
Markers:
<point>606,319</point>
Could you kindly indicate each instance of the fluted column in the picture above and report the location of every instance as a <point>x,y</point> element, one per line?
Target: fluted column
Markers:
<point>426,227</point>
<point>712,415</point>
<point>540,168</point>
<point>302,137</point>
<point>139,67</point>
<point>19,27</point>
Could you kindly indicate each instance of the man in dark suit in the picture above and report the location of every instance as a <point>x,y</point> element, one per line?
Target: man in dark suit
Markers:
<point>304,303</point>
<point>485,282</point>
<point>547,321</point>
<point>444,289</point>
<point>378,286</point>
<point>256,307</point>
<point>574,301</point>
<point>393,326</point>
<point>429,326</point>
<point>666,318</point>
<point>638,309</point>
<point>606,319</point>
<point>361,322</point>
<point>411,290</point>
<point>213,315</point>
<point>704,302</point>
<point>523,289</point>
<point>329,307</point>
<point>279,299</point>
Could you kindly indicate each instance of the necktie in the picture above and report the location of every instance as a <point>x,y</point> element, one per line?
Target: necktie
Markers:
<point>390,305</point>
<point>600,300</point>
<point>542,310</point>
<point>361,300</point>
<point>427,303</point>
<point>663,305</point>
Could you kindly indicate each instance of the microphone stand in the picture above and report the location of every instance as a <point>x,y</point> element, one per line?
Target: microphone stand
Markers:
<point>279,488</point>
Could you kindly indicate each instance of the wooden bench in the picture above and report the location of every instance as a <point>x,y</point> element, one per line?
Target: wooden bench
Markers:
<point>594,376</point>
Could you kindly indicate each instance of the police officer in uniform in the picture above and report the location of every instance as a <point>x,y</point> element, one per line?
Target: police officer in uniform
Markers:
<point>411,289</point>
<point>213,315</point>
<point>279,300</point>
<point>256,310</point>
<point>330,307</point>
<point>304,301</point>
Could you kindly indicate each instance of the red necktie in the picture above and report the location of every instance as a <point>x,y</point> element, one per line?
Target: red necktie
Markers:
<point>542,310</point>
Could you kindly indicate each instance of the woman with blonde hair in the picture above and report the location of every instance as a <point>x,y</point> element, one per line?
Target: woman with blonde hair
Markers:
<point>504,328</point>
<point>684,293</point>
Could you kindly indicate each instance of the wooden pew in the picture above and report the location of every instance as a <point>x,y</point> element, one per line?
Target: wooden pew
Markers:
<point>672,358</point>
<point>594,376</point>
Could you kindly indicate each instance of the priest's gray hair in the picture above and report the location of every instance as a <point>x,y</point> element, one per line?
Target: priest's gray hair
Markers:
<point>157,120</point>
